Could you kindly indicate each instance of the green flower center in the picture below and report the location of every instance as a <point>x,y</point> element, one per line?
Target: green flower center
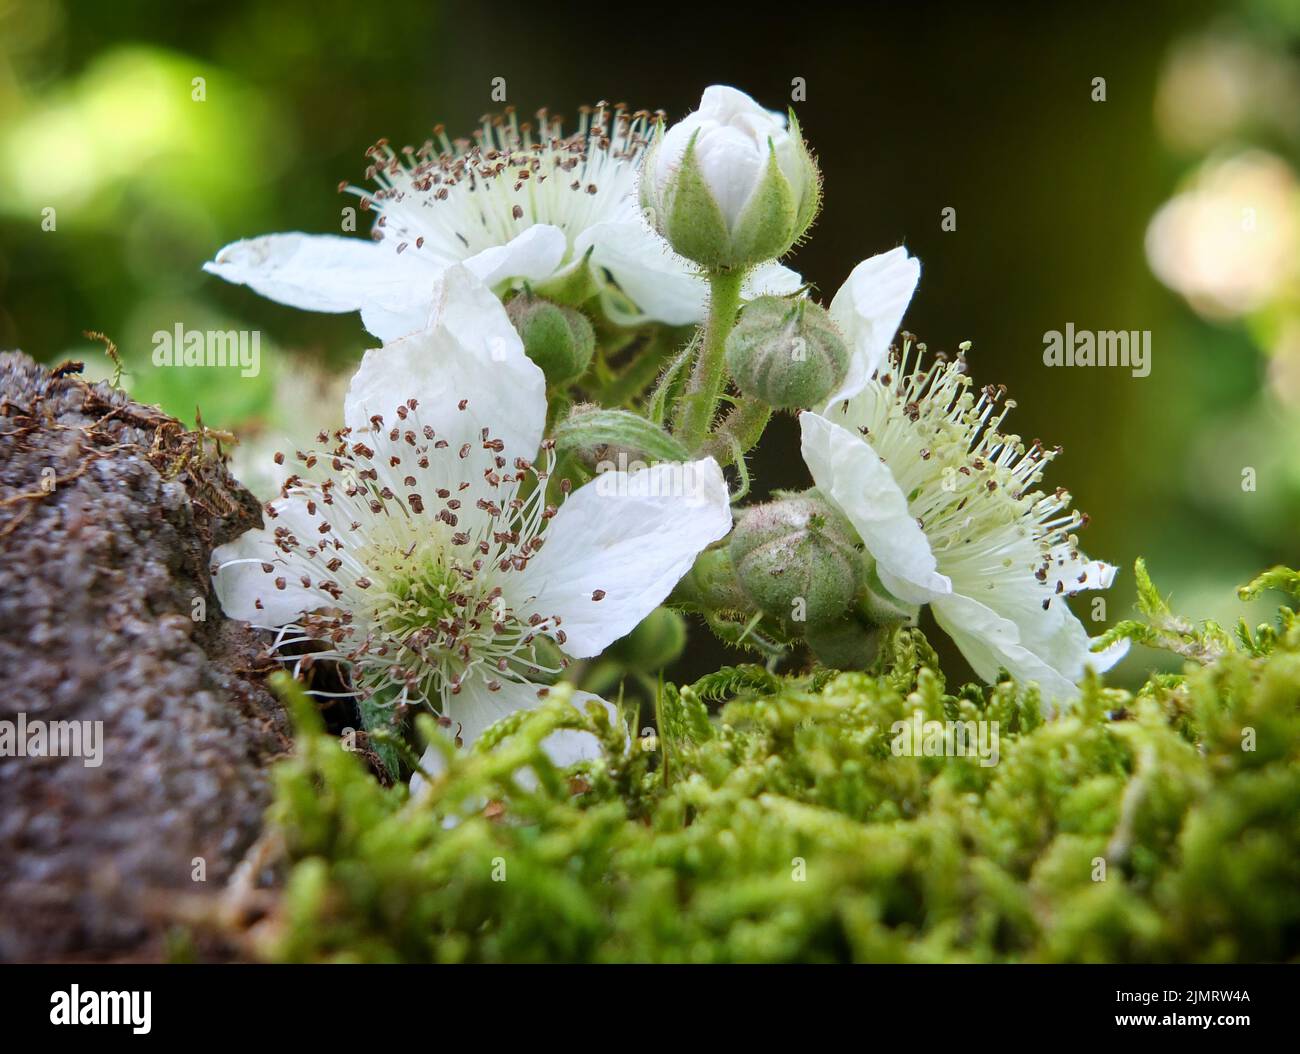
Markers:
<point>418,605</point>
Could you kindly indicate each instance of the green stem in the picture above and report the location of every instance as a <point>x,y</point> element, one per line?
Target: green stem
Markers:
<point>558,404</point>
<point>700,403</point>
<point>660,729</point>
<point>645,366</point>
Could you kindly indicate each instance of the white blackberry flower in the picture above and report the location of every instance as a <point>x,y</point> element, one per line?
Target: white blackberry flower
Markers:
<point>418,547</point>
<point>947,504</point>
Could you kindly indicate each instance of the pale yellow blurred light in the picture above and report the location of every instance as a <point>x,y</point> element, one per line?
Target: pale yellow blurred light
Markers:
<point>1216,85</point>
<point>1204,91</point>
<point>1229,243</point>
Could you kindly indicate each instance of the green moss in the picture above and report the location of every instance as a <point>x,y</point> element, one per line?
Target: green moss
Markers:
<point>770,820</point>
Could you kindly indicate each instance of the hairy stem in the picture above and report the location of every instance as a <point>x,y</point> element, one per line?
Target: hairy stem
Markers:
<point>699,404</point>
<point>645,366</point>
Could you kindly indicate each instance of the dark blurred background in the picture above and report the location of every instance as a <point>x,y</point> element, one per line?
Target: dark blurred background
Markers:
<point>991,110</point>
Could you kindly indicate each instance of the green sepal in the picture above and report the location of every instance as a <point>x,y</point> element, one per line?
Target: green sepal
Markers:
<point>711,583</point>
<point>808,205</point>
<point>880,607</point>
<point>667,390</point>
<point>845,644</point>
<point>594,434</point>
<point>378,719</point>
<point>765,229</point>
<point>572,286</point>
<point>693,223</point>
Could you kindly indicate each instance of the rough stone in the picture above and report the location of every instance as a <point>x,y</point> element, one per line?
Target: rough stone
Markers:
<point>109,511</point>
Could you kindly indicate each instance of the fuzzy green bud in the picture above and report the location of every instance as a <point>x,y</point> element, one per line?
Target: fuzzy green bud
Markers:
<point>540,662</point>
<point>657,641</point>
<point>787,353</point>
<point>730,186</point>
<point>559,339</point>
<point>797,560</point>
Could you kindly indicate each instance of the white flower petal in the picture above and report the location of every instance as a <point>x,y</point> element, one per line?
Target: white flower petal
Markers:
<point>723,103</point>
<point>475,708</point>
<point>732,164</point>
<point>1078,575</point>
<point>531,256</point>
<point>991,642</point>
<point>433,763</point>
<point>320,272</point>
<point>389,322</point>
<point>627,537</point>
<point>464,306</point>
<point>241,582</point>
<point>672,148</point>
<point>734,137</point>
<point>470,353</point>
<point>462,288</point>
<point>664,287</point>
<point>569,746</point>
<point>849,473</point>
<point>771,279</point>
<point>1103,660</point>
<point>1052,633</point>
<point>481,708</point>
<point>869,308</point>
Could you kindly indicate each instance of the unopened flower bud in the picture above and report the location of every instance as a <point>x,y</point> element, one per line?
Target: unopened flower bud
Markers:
<point>540,662</point>
<point>730,186</point>
<point>559,339</point>
<point>657,641</point>
<point>797,560</point>
<point>787,353</point>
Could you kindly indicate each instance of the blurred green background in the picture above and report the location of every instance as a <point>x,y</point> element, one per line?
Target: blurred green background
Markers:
<point>985,109</point>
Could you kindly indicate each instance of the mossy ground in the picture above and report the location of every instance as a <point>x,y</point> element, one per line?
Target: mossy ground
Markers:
<point>770,820</point>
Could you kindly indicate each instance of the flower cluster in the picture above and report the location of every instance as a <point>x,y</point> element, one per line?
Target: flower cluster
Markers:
<point>420,546</point>
<point>515,205</point>
<point>533,460</point>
